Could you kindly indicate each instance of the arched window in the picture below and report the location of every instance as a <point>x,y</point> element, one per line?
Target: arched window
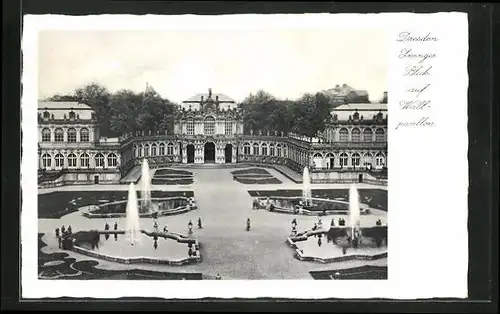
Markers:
<point>278,150</point>
<point>84,135</point>
<point>135,151</point>
<point>46,135</point>
<point>355,135</point>
<point>162,149</point>
<point>367,159</point>
<point>209,126</point>
<point>330,160</point>
<point>84,160</point>
<point>264,149</point>
<point>246,149</point>
<point>343,159</point>
<point>170,149</point>
<point>71,160</point>
<point>72,115</point>
<point>59,135</point>
<point>146,150</point>
<point>255,149</point>
<point>46,115</point>
<point>140,151</point>
<point>228,127</point>
<point>112,160</point>
<point>59,160</point>
<point>99,160</point>
<point>379,160</point>
<point>318,160</point>
<point>379,135</point>
<point>271,149</point>
<point>344,135</point>
<point>154,149</point>
<point>46,161</point>
<point>367,135</point>
<point>190,126</point>
<point>72,135</point>
<point>285,151</point>
<point>355,159</point>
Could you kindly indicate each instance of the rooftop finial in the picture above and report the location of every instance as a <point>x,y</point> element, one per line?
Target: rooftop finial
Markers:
<point>209,93</point>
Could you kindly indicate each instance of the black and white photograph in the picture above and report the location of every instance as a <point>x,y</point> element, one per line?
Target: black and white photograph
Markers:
<point>212,155</point>
<point>232,156</point>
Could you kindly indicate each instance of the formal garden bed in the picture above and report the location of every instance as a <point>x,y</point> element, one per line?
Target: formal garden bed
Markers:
<point>172,177</point>
<point>58,204</point>
<point>254,176</point>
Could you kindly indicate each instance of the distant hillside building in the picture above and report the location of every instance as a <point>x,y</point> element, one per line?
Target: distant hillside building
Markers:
<point>344,94</point>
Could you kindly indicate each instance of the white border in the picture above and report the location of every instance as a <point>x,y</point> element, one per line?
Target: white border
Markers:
<point>428,176</point>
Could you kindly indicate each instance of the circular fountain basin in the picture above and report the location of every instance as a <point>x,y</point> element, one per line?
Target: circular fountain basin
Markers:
<point>118,247</point>
<point>317,206</point>
<point>158,206</point>
<point>315,246</point>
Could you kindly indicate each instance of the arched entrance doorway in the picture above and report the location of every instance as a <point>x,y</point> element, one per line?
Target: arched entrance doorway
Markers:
<point>228,153</point>
<point>209,152</point>
<point>190,153</point>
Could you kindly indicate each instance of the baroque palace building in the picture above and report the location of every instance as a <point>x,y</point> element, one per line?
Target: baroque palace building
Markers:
<point>208,128</point>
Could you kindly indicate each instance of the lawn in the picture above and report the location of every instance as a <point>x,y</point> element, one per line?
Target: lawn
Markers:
<point>251,171</point>
<point>254,176</point>
<point>366,272</point>
<point>266,180</point>
<point>168,172</point>
<point>57,204</point>
<point>374,198</point>
<point>171,181</point>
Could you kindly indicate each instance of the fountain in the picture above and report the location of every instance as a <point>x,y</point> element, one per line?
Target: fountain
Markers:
<point>133,226</point>
<point>354,214</point>
<point>145,187</point>
<point>306,188</point>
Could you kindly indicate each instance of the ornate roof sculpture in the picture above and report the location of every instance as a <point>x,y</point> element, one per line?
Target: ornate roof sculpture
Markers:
<point>212,100</point>
<point>359,112</point>
<point>209,104</point>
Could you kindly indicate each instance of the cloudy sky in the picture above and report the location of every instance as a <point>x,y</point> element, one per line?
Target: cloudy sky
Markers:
<point>179,64</point>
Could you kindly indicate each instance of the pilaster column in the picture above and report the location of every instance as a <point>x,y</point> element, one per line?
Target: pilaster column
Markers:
<point>184,153</point>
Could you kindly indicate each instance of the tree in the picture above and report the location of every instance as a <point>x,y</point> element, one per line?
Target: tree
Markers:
<point>256,109</point>
<point>123,112</point>
<point>97,97</point>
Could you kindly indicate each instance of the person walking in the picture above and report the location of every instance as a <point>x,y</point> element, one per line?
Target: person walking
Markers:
<point>190,227</point>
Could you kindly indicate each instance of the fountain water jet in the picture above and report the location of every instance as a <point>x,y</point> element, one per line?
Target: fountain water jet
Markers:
<point>354,212</point>
<point>306,188</point>
<point>133,225</point>
<point>145,187</point>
